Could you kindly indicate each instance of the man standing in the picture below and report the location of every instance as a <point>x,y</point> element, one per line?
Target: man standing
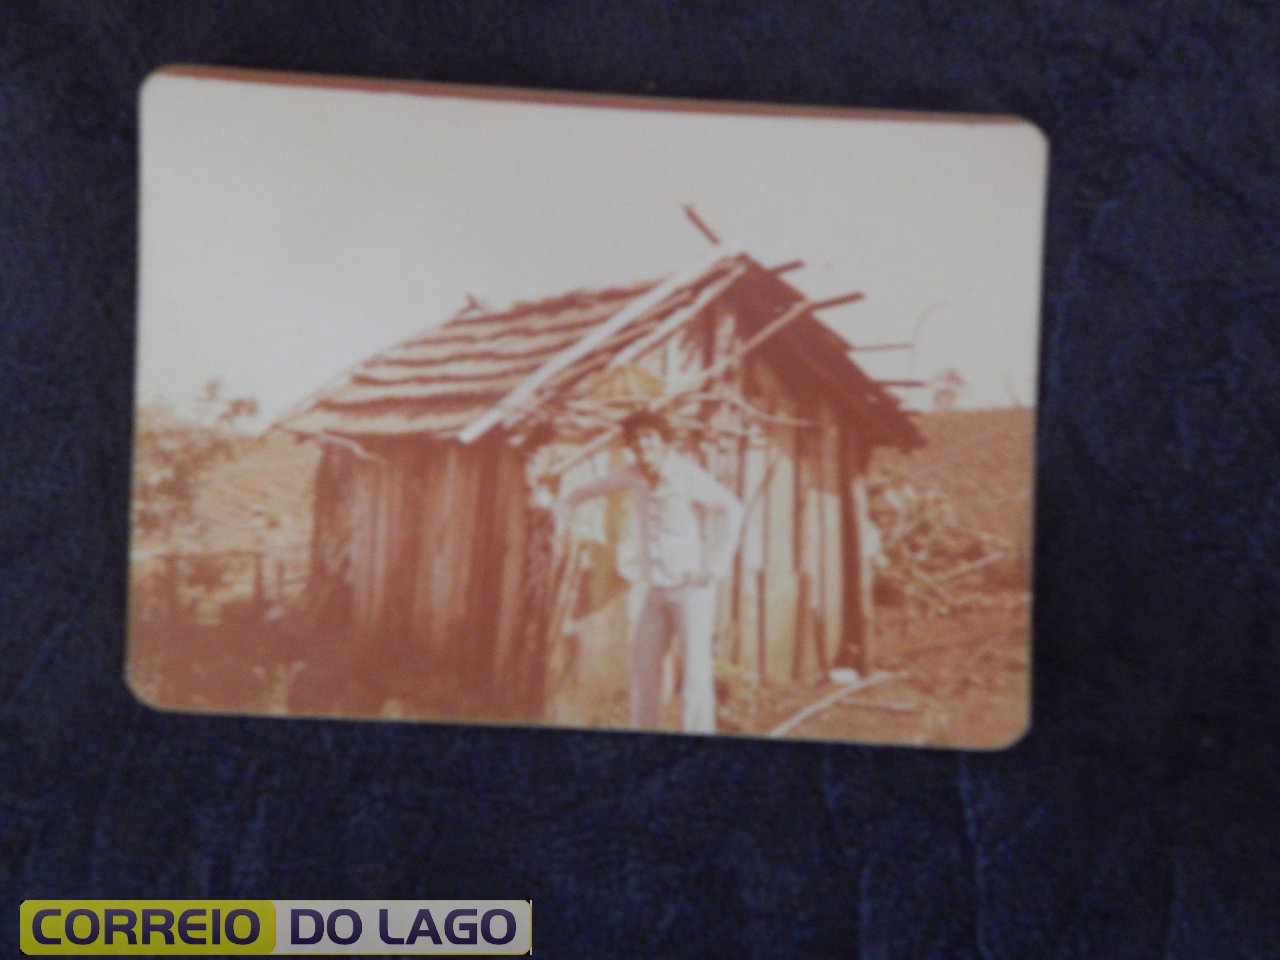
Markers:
<point>681,557</point>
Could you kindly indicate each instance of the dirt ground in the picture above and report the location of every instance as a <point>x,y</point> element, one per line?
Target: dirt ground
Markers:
<point>958,680</point>
<point>961,680</point>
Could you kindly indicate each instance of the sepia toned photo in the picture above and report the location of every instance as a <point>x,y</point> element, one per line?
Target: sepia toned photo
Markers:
<point>485,406</point>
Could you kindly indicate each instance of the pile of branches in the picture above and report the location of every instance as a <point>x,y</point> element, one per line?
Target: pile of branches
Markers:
<point>927,558</point>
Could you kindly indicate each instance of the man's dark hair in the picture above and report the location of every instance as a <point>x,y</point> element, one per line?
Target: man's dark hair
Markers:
<point>645,420</point>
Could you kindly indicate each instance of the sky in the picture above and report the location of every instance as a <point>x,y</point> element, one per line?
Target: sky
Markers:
<point>289,232</point>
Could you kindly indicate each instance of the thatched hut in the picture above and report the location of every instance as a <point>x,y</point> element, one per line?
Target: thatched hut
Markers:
<point>432,558</point>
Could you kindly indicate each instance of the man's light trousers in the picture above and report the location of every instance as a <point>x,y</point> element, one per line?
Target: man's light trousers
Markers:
<point>688,613</point>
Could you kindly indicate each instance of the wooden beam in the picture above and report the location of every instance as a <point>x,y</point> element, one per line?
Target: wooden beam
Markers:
<point>852,646</point>
<point>837,301</point>
<point>869,347</point>
<point>677,319</point>
<point>701,224</point>
<point>829,700</point>
<point>345,442</point>
<point>786,267</point>
<point>899,383</point>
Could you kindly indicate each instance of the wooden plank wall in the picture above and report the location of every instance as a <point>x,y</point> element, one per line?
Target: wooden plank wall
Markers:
<point>796,577</point>
<point>434,543</point>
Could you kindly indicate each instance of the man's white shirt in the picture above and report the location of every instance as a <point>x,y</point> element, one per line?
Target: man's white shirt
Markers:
<point>672,515</point>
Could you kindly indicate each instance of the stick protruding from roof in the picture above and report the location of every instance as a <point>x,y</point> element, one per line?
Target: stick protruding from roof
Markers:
<point>524,393</point>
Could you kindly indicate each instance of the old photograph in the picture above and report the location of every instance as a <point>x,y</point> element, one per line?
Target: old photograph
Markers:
<point>484,406</point>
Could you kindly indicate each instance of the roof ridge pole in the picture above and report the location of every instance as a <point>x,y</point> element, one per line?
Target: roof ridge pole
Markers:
<point>523,393</point>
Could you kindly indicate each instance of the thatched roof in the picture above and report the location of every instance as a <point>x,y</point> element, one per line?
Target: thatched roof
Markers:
<point>456,379</point>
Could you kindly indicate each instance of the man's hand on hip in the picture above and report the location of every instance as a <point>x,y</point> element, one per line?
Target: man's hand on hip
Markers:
<point>700,578</point>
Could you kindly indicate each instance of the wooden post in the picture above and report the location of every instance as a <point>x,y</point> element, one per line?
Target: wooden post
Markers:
<point>735,651</point>
<point>831,559</point>
<point>785,267</point>
<point>780,556</point>
<point>865,575</point>
<point>836,301</point>
<point>762,582</point>
<point>853,649</point>
<point>800,632</point>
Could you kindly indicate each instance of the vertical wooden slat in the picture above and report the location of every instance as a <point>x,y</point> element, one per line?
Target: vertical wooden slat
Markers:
<point>853,651</point>
<point>799,558</point>
<point>736,585</point>
<point>362,519</point>
<point>445,507</point>
<point>811,659</point>
<point>806,666</point>
<point>405,573</point>
<point>780,565</point>
<point>482,594</point>
<point>782,579</point>
<point>751,555</point>
<point>382,566</point>
<point>392,522</point>
<point>512,500</point>
<point>725,467</point>
<point>318,570</point>
<point>509,514</point>
<point>328,581</point>
<point>862,517</point>
<point>428,476</point>
<point>816,558</point>
<point>379,546</point>
<point>833,581</point>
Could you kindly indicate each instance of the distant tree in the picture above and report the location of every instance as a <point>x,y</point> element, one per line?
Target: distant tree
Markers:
<point>235,409</point>
<point>947,387</point>
<point>170,454</point>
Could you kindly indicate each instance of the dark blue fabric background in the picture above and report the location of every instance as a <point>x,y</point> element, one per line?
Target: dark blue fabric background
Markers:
<point>1138,819</point>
